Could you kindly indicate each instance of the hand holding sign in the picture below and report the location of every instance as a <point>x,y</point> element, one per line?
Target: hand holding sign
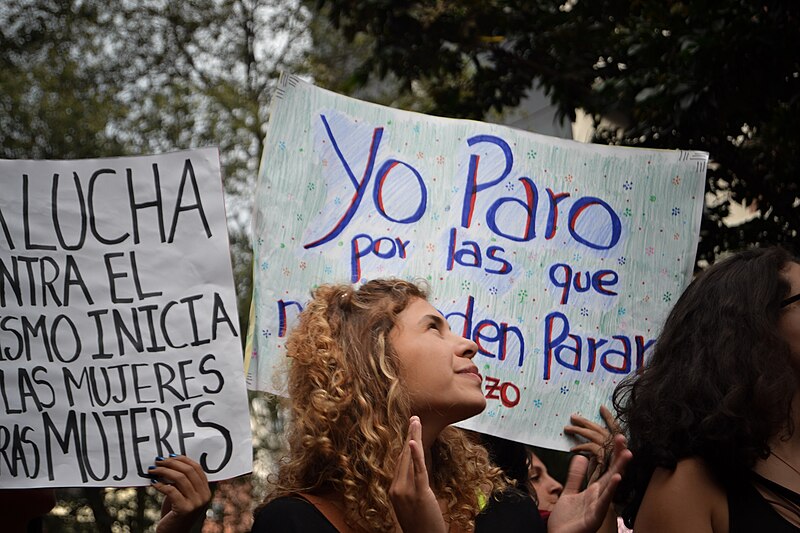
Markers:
<point>597,439</point>
<point>185,486</point>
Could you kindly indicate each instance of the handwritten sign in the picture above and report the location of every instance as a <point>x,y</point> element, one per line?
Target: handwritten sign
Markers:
<point>119,333</point>
<point>559,259</point>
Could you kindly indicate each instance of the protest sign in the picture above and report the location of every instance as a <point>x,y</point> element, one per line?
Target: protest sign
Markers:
<point>119,335</point>
<point>559,259</point>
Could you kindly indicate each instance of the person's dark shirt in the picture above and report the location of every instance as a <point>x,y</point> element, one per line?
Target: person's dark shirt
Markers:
<point>291,514</point>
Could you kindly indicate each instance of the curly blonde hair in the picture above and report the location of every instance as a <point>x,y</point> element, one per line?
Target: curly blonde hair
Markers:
<point>350,411</point>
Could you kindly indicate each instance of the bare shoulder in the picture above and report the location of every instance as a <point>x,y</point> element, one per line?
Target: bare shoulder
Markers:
<point>685,499</point>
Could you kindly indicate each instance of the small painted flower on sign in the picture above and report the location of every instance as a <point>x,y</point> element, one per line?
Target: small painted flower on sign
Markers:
<point>537,403</point>
<point>676,211</point>
<point>564,389</point>
<point>667,296</point>
<point>493,290</point>
<point>621,260</point>
<point>628,185</point>
<point>265,265</point>
<point>532,154</point>
<point>584,311</point>
<point>676,180</point>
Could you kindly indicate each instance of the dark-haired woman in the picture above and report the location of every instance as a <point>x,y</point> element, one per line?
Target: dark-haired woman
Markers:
<point>713,416</point>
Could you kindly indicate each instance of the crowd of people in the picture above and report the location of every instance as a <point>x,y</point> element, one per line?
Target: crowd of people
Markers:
<point>703,438</point>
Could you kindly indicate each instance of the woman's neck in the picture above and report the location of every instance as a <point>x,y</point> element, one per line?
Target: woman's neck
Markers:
<point>430,432</point>
<point>785,443</point>
<point>783,463</point>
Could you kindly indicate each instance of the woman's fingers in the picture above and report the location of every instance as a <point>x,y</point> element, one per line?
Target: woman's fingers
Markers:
<point>183,481</point>
<point>404,473</point>
<point>582,422</point>
<point>621,455</point>
<point>611,422</point>
<point>587,447</point>
<point>413,502</point>
<point>597,436</point>
<point>417,455</point>
<point>575,475</point>
<point>590,434</point>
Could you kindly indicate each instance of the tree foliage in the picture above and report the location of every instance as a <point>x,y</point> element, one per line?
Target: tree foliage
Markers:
<point>723,77</point>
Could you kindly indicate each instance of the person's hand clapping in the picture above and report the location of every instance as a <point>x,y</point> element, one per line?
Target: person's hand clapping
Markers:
<point>584,511</point>
<point>415,505</point>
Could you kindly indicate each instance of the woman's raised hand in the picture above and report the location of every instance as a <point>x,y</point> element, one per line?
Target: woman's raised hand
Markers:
<point>584,511</point>
<point>415,504</point>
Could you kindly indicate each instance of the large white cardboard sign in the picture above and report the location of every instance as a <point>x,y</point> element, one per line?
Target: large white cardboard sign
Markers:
<point>119,335</point>
<point>559,259</point>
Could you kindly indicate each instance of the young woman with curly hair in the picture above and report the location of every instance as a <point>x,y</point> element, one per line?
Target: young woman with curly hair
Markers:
<point>376,379</point>
<point>711,417</point>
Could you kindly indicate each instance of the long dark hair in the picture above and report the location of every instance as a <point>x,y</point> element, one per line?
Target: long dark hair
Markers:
<point>719,384</point>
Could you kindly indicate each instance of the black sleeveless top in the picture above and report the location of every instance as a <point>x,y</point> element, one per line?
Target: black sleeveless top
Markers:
<point>513,512</point>
<point>748,511</point>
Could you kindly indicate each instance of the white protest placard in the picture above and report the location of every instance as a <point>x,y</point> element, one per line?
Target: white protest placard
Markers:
<point>119,335</point>
<point>559,259</point>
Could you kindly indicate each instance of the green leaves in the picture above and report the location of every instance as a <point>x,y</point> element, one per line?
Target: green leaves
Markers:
<point>685,75</point>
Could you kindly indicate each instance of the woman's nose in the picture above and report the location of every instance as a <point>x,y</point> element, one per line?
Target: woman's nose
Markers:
<point>467,348</point>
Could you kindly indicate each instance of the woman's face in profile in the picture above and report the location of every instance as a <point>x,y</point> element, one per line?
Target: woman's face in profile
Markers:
<point>436,366</point>
<point>547,488</point>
